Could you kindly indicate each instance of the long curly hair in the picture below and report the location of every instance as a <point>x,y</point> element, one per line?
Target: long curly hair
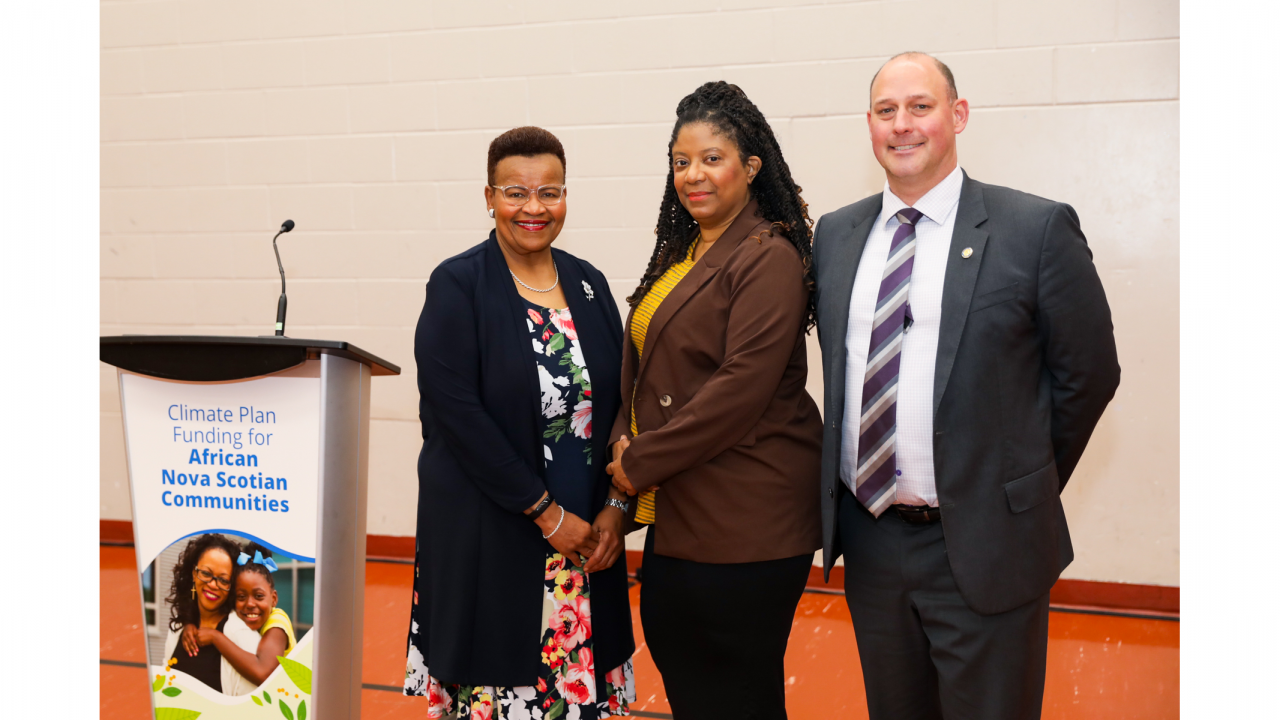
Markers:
<point>726,108</point>
<point>183,608</point>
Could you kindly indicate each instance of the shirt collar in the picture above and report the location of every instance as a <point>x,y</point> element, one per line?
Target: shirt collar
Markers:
<point>937,204</point>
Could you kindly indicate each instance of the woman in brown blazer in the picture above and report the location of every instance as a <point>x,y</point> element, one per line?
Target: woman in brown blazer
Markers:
<point>717,438</point>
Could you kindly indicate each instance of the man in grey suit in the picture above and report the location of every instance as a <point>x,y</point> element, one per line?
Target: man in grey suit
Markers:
<point>968,353</point>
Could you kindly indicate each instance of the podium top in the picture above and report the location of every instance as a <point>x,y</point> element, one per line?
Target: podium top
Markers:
<point>208,358</point>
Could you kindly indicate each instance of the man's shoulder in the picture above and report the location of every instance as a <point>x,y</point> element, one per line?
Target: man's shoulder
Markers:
<point>1006,202</point>
<point>853,213</point>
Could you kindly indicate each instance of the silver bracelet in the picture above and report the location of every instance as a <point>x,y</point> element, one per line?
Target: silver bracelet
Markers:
<point>553,532</point>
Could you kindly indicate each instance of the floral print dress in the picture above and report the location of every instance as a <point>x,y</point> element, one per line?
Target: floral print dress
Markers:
<point>566,688</point>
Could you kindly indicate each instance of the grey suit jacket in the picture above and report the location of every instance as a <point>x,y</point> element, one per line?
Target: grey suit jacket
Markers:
<point>1026,364</point>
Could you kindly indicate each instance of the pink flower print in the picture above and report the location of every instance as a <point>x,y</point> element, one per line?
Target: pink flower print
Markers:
<point>535,316</point>
<point>616,677</point>
<point>571,622</point>
<point>439,703</point>
<point>555,564</point>
<point>581,420</point>
<point>577,682</point>
<point>564,323</point>
<point>482,707</point>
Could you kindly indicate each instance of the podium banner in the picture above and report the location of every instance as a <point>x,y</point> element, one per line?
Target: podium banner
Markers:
<point>224,478</point>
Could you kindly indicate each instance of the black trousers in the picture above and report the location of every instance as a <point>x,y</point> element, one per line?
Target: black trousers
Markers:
<point>925,655</point>
<point>718,632</point>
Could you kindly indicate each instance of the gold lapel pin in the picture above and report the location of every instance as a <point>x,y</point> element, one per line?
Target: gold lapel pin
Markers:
<point>966,253</point>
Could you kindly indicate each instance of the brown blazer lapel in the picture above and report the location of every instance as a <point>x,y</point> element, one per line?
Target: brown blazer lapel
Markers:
<point>702,272</point>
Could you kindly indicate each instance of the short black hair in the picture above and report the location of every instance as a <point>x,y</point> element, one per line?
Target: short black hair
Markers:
<point>942,68</point>
<point>526,141</point>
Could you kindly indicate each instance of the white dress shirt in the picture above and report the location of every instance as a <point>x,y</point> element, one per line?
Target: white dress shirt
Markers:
<point>914,434</point>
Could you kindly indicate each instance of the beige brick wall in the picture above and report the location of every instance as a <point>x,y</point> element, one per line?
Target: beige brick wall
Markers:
<point>366,121</point>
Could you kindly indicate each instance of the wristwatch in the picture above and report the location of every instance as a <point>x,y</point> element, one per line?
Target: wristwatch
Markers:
<point>615,502</point>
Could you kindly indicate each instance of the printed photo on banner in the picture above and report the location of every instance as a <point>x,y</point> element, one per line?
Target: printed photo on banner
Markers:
<point>228,617</point>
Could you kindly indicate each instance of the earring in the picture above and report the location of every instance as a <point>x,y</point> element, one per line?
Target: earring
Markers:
<point>490,212</point>
<point>193,591</point>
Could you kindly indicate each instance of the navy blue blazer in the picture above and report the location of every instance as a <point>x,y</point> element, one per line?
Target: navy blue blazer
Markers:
<point>480,560</point>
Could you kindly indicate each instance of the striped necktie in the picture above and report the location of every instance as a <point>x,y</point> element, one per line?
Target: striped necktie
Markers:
<point>877,460</point>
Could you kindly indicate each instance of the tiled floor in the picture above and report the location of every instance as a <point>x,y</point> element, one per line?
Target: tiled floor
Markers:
<point>1100,667</point>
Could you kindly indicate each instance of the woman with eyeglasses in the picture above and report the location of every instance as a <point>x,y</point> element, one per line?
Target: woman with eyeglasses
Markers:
<point>202,596</point>
<point>520,590</point>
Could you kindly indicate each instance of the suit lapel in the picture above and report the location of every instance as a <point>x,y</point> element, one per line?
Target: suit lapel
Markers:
<point>843,269</point>
<point>700,274</point>
<point>960,279</point>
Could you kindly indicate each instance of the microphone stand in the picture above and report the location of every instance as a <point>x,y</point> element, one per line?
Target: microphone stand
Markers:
<point>283,303</point>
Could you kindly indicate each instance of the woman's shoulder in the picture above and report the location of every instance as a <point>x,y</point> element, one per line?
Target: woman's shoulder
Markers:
<point>765,243</point>
<point>464,265</point>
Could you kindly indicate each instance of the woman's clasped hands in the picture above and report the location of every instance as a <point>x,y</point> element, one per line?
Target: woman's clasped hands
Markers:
<point>620,479</point>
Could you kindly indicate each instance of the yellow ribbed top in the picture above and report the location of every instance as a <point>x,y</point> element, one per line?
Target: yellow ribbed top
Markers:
<point>647,508</point>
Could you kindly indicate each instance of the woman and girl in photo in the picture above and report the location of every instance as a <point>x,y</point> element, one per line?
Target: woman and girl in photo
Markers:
<point>224,627</point>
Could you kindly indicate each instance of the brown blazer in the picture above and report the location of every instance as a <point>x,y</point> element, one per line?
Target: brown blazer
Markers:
<point>727,430</point>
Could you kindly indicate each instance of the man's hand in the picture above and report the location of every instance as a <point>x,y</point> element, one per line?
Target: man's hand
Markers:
<point>620,479</point>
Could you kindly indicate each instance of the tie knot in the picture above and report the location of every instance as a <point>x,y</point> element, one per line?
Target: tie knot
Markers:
<point>909,216</point>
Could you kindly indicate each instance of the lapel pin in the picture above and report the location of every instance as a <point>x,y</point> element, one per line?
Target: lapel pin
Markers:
<point>966,253</point>
<point>591,294</point>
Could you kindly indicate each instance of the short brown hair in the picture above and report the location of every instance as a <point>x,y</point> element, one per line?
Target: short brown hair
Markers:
<point>526,141</point>
<point>942,68</point>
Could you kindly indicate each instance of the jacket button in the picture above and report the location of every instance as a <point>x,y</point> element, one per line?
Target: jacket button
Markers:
<point>831,492</point>
<point>665,401</point>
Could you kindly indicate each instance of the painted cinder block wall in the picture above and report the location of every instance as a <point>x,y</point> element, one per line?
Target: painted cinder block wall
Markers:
<point>366,122</point>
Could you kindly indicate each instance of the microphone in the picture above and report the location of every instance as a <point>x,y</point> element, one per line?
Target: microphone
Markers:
<point>285,227</point>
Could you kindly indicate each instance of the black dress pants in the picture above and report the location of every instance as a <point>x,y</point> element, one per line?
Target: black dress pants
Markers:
<point>718,632</point>
<point>925,655</point>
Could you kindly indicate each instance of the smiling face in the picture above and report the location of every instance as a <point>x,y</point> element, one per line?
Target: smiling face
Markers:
<point>913,124</point>
<point>532,227</point>
<point>215,565</point>
<point>255,599</point>
<point>711,178</point>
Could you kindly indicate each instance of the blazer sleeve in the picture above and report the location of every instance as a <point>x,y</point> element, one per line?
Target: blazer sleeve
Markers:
<point>766,310</point>
<point>1077,336</point>
<point>446,348</point>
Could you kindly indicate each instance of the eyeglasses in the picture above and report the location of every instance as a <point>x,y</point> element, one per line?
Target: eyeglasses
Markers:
<point>518,195</point>
<point>222,582</point>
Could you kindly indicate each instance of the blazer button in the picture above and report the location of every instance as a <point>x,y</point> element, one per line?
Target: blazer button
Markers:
<point>665,401</point>
<point>831,492</point>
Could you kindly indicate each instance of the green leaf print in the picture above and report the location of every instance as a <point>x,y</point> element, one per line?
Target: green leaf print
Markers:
<point>255,700</point>
<point>266,696</point>
<point>556,710</point>
<point>168,713</point>
<point>171,692</point>
<point>159,683</point>
<point>284,710</point>
<point>556,343</point>
<point>302,710</point>
<point>556,428</point>
<point>300,674</point>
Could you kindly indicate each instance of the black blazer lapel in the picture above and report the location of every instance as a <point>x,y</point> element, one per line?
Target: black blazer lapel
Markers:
<point>514,333</point>
<point>960,279</point>
<point>598,339</point>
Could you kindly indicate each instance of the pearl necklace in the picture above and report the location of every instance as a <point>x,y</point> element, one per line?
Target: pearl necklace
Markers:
<point>534,289</point>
